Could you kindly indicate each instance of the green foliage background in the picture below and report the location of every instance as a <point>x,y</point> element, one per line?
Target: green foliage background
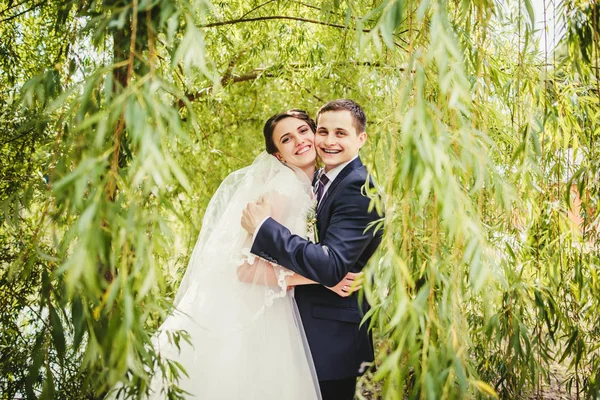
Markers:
<point>119,119</point>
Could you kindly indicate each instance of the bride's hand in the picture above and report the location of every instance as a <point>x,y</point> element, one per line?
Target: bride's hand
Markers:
<point>278,203</point>
<point>351,283</point>
<point>254,213</point>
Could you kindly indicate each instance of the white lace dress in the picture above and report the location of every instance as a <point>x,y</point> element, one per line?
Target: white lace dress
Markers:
<point>247,339</point>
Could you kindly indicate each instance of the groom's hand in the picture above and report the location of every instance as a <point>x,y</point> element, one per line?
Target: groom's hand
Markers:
<point>254,214</point>
<point>351,283</point>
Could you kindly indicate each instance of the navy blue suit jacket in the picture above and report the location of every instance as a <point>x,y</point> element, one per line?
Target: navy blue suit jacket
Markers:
<point>332,323</point>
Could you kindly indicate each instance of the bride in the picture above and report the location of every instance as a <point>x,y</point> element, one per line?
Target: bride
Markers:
<point>246,336</point>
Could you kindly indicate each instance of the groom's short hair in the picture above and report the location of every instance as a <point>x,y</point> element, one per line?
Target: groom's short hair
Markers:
<point>358,115</point>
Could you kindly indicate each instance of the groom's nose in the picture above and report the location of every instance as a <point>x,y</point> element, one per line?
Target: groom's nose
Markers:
<point>329,140</point>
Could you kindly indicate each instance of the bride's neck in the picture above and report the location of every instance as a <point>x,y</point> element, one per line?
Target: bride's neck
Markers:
<point>309,171</point>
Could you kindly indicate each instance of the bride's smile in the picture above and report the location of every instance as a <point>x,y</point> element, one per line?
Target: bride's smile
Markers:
<point>304,149</point>
<point>295,143</point>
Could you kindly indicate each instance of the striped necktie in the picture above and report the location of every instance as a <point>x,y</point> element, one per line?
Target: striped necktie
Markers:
<point>321,183</point>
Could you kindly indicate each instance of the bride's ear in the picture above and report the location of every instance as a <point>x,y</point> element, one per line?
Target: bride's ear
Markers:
<point>278,156</point>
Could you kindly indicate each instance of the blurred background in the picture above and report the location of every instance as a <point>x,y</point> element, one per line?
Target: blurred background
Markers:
<point>119,119</point>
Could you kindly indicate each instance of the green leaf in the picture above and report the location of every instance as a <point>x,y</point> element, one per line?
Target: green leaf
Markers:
<point>78,320</point>
<point>58,336</point>
<point>530,12</point>
<point>48,391</point>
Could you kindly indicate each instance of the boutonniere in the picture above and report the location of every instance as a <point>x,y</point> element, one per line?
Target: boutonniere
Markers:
<point>311,223</point>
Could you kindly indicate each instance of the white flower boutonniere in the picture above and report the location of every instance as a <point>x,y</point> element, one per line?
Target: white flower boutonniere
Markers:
<point>311,223</point>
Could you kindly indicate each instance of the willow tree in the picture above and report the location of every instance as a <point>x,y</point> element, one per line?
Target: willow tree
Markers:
<point>120,118</point>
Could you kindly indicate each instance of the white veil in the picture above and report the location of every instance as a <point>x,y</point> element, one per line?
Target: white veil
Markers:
<point>250,332</point>
<point>223,244</point>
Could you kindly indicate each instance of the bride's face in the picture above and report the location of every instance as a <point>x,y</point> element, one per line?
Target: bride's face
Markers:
<point>295,142</point>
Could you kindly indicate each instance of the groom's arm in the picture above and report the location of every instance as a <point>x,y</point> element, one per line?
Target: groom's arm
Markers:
<point>328,261</point>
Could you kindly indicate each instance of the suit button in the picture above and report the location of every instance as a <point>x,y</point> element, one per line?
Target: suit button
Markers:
<point>275,261</point>
<point>262,254</point>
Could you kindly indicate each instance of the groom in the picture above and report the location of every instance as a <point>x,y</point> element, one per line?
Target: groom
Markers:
<point>339,345</point>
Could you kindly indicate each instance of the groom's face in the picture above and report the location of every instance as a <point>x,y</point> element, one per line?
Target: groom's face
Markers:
<point>337,140</point>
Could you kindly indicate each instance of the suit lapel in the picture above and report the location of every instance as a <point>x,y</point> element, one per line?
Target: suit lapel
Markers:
<point>356,163</point>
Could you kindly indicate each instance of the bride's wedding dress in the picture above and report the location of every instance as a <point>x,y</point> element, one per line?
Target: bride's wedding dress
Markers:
<point>247,338</point>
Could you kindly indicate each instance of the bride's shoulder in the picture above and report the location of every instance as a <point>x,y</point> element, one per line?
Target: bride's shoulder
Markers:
<point>267,173</point>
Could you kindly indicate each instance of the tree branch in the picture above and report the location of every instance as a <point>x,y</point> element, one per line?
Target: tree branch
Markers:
<point>18,137</point>
<point>353,63</point>
<point>256,8</point>
<point>13,6</point>
<point>225,80</point>
<point>293,1</point>
<point>310,6</point>
<point>287,17</point>
<point>41,3</point>
<point>229,78</point>
<point>307,91</point>
<point>112,186</point>
<point>276,17</point>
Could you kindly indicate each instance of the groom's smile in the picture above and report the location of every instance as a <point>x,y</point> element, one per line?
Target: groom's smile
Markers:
<point>337,140</point>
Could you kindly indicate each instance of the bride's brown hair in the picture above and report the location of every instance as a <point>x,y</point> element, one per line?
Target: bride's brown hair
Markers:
<point>272,122</point>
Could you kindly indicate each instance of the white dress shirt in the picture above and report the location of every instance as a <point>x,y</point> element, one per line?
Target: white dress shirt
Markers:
<point>333,173</point>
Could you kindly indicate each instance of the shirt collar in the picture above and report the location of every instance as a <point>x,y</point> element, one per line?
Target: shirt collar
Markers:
<point>334,172</point>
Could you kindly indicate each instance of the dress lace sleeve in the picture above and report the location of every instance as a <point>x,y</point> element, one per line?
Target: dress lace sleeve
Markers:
<point>259,271</point>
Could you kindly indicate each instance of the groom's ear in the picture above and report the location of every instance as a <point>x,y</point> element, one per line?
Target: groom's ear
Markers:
<point>362,137</point>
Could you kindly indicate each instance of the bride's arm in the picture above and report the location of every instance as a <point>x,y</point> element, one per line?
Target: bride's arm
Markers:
<point>260,273</point>
<point>263,273</point>
<point>351,283</point>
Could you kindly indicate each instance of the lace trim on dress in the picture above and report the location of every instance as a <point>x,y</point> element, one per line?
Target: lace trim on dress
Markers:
<point>247,256</point>
<point>270,294</point>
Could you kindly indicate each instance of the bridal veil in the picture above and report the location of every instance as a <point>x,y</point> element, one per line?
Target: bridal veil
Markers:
<point>247,338</point>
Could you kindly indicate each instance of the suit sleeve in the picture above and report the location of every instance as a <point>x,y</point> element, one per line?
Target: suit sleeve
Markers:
<point>328,261</point>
